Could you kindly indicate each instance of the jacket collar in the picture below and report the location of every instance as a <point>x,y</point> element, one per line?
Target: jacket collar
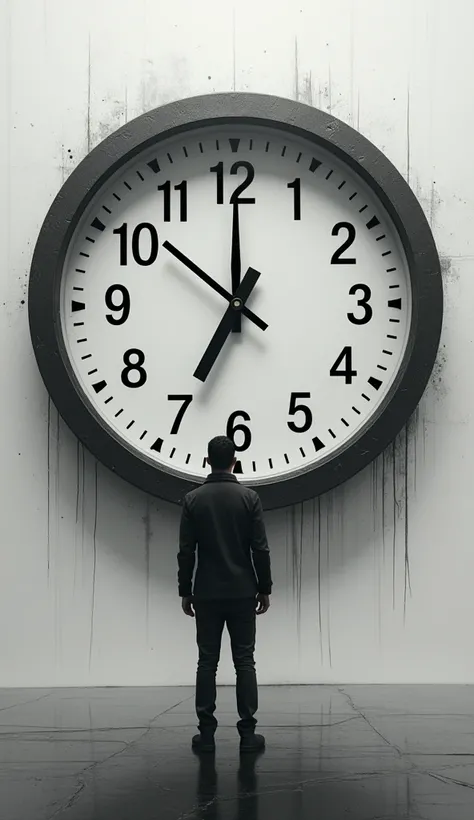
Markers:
<point>217,476</point>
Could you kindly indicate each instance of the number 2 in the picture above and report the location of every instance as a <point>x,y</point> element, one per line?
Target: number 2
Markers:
<point>336,258</point>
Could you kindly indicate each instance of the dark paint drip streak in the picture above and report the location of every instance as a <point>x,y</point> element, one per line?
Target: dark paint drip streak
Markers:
<point>320,622</point>
<point>394,522</point>
<point>147,522</point>
<point>94,566</point>
<point>329,510</point>
<point>48,467</point>
<point>407,555</point>
<point>296,545</point>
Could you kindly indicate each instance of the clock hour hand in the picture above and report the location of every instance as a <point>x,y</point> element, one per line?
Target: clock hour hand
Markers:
<point>212,283</point>
<point>235,262</point>
<point>226,324</point>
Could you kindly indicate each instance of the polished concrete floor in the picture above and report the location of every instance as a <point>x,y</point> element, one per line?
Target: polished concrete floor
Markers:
<point>333,752</point>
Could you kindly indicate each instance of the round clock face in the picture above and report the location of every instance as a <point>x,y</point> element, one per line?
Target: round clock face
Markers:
<point>235,278</point>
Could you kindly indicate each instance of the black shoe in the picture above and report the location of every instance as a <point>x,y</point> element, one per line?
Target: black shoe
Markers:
<point>252,743</point>
<point>204,742</point>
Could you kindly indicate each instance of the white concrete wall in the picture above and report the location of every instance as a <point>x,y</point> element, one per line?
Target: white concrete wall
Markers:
<point>373,582</point>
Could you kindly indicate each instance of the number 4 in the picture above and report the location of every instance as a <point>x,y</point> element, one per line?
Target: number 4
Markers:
<point>347,371</point>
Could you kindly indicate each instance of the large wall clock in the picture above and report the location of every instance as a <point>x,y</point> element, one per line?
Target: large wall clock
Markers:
<point>240,264</point>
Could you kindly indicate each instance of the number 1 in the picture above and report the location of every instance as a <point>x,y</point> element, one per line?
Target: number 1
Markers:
<point>296,185</point>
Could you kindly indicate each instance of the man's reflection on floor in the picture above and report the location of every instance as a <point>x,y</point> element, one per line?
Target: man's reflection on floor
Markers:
<point>208,803</point>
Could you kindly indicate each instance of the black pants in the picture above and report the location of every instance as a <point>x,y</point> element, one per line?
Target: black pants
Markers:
<point>239,615</point>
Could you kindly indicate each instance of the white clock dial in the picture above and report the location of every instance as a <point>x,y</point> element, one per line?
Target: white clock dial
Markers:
<point>334,292</point>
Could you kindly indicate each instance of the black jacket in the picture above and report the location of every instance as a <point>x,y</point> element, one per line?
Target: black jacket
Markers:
<point>225,521</point>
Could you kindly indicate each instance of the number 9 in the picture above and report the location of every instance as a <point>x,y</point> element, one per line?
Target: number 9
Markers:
<point>124,306</point>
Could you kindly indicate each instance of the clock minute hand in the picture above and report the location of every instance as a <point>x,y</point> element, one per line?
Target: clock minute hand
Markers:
<point>226,324</point>
<point>235,262</point>
<point>212,283</point>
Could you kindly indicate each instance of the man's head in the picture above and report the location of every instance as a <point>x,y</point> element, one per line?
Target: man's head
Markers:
<point>221,454</point>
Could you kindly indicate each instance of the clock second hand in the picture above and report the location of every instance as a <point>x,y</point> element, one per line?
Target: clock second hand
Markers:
<point>235,262</point>
<point>226,324</point>
<point>212,283</point>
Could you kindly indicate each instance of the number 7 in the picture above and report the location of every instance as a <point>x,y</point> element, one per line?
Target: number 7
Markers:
<point>186,402</point>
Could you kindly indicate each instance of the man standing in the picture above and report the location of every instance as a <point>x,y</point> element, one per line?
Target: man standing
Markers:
<point>225,521</point>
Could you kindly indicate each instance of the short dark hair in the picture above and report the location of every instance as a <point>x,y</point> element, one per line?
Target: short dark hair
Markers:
<point>220,453</point>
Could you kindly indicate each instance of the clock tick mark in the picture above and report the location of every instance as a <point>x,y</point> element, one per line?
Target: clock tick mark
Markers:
<point>299,156</point>
<point>204,462</point>
<point>140,176</point>
<point>254,466</point>
<point>143,435</point>
<point>365,397</point>
<point>185,151</point>
<point>353,195</point>
<point>188,457</point>
<point>234,144</point>
<point>87,356</point>
<point>378,238</point>
<point>270,463</point>
<point>283,151</point>
<point>131,424</point>
<point>217,149</point>
<point>363,208</point>
<point>98,386</point>
<point>267,147</point>
<point>386,253</point>
<point>106,209</point>
<point>331,433</point>
<point>238,467</point>
<point>153,164</point>
<point>157,445</point>
<point>201,148</point>
<point>80,270</point>
<point>387,352</point>
<point>81,253</point>
<point>329,174</point>
<point>302,452</point>
<point>90,372</point>
<point>119,198</point>
<point>109,399</point>
<point>391,336</point>
<point>76,306</point>
<point>286,458</point>
<point>381,367</point>
<point>341,185</point>
<point>127,185</point>
<point>77,288</point>
<point>390,270</point>
<point>172,452</point>
<point>250,145</point>
<point>395,321</point>
<point>394,286</point>
<point>97,224</point>
<point>119,412</point>
<point>314,164</point>
<point>170,157</point>
<point>318,444</point>
<point>356,410</point>
<point>376,383</point>
<point>81,340</point>
<point>78,324</point>
<point>372,223</point>
<point>346,423</point>
<point>395,303</point>
<point>90,240</point>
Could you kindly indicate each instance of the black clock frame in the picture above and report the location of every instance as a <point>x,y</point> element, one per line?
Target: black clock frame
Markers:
<point>323,130</point>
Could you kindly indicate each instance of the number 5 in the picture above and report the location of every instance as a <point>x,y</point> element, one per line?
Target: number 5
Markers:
<point>294,408</point>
